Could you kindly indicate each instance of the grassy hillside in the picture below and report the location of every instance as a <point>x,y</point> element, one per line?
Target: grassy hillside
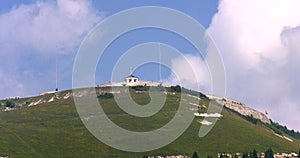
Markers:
<point>54,130</point>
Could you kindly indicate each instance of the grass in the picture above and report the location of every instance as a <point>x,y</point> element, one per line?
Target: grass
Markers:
<point>55,130</point>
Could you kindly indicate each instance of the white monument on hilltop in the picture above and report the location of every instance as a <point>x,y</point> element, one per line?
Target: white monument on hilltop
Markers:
<point>132,80</point>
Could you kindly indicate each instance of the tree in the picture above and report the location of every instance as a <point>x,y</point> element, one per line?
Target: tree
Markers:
<point>176,88</point>
<point>252,119</point>
<point>245,155</point>
<point>250,155</point>
<point>105,96</point>
<point>254,153</point>
<point>9,104</point>
<point>234,156</point>
<point>269,153</point>
<point>195,155</point>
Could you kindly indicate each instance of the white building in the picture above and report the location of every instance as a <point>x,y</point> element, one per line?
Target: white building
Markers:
<point>132,81</point>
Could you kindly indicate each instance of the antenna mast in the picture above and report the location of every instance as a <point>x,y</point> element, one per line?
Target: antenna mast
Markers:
<point>56,84</point>
<point>130,70</point>
<point>159,53</point>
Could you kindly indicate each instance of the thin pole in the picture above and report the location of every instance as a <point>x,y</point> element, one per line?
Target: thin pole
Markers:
<point>56,75</point>
<point>130,70</point>
<point>160,78</point>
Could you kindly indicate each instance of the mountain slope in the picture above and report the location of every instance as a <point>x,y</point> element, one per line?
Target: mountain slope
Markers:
<point>52,128</point>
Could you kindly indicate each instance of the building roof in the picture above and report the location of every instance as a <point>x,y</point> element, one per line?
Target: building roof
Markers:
<point>131,76</point>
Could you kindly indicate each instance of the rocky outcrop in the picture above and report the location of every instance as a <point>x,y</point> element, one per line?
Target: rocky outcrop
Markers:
<point>240,108</point>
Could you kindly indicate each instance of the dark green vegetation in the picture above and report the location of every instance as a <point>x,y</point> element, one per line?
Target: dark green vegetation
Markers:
<point>9,104</point>
<point>274,126</point>
<point>279,129</point>
<point>269,153</point>
<point>249,118</point>
<point>105,96</point>
<point>54,130</point>
<point>195,155</point>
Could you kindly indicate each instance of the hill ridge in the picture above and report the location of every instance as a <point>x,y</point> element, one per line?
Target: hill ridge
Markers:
<point>232,104</point>
<point>51,126</point>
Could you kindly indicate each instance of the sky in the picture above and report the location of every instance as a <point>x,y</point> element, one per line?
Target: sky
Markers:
<point>258,42</point>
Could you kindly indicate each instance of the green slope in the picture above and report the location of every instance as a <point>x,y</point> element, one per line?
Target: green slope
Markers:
<point>55,130</point>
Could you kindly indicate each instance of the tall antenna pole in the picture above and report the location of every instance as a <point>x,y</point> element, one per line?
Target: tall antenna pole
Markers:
<point>56,76</point>
<point>159,53</point>
<point>130,70</point>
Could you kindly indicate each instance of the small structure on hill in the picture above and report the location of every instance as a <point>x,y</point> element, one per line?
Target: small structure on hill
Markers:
<point>132,80</point>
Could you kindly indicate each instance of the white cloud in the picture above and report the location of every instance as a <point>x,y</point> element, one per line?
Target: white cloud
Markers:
<point>259,44</point>
<point>46,26</point>
<point>29,36</point>
<point>190,71</point>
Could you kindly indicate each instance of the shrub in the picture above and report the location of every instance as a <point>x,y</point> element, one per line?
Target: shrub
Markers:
<point>9,104</point>
<point>195,155</point>
<point>140,88</point>
<point>176,88</point>
<point>269,153</point>
<point>106,96</point>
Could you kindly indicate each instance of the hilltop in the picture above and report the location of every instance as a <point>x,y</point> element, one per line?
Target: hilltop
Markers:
<point>48,126</point>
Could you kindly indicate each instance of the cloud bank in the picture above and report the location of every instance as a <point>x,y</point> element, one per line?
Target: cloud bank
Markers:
<point>190,71</point>
<point>46,26</point>
<point>259,43</point>
<point>32,35</point>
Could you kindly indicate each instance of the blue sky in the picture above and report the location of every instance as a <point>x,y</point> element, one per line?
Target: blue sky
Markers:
<point>257,40</point>
<point>42,64</point>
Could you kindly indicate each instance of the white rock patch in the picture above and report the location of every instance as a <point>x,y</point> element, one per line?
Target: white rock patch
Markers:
<point>208,115</point>
<point>205,122</point>
<point>194,97</point>
<point>67,96</point>
<point>36,103</point>
<point>284,137</point>
<point>51,100</point>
